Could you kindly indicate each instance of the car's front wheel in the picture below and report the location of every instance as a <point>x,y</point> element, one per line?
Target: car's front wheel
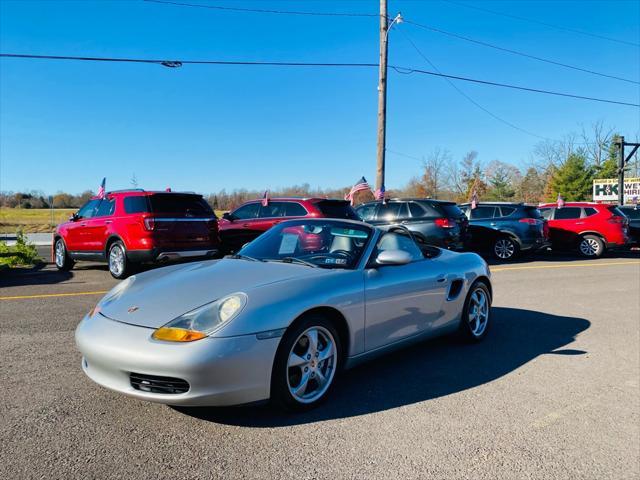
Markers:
<point>63,261</point>
<point>119,265</point>
<point>306,364</point>
<point>591,246</point>
<point>476,313</point>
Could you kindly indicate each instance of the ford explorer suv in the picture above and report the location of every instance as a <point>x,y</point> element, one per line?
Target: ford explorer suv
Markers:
<point>127,228</point>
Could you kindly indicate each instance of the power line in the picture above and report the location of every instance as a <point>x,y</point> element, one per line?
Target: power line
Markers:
<point>516,52</point>
<point>399,69</point>
<point>471,100</point>
<point>259,10</point>
<point>546,24</point>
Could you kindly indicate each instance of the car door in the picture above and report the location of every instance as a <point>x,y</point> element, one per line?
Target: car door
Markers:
<point>241,228</point>
<point>77,238</point>
<point>482,227</point>
<point>565,226</point>
<point>401,300</point>
<point>96,227</point>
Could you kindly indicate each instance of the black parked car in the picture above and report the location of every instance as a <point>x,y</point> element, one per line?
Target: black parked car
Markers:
<point>632,212</point>
<point>433,222</point>
<point>505,229</point>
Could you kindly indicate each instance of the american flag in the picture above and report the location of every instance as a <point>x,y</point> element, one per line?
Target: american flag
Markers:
<point>560,201</point>
<point>358,187</point>
<point>265,198</point>
<point>474,199</point>
<point>379,193</point>
<point>101,191</point>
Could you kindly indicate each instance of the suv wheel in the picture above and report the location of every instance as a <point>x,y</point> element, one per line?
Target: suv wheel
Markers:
<point>504,248</point>
<point>119,266</point>
<point>63,261</point>
<point>591,246</point>
<point>306,364</point>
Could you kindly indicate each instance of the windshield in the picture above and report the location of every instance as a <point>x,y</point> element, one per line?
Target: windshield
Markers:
<point>319,243</point>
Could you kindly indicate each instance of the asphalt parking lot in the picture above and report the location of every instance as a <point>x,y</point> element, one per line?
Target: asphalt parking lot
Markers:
<point>553,392</point>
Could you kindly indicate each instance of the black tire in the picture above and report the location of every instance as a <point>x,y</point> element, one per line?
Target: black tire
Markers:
<point>505,248</point>
<point>591,246</point>
<point>61,258</point>
<point>284,375</point>
<point>119,265</point>
<point>467,329</point>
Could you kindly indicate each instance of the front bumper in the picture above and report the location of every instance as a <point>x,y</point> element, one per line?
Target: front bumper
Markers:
<point>219,371</point>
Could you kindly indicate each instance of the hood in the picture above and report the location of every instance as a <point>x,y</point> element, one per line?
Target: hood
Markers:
<point>158,296</point>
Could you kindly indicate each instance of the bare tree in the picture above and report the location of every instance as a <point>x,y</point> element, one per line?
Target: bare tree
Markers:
<point>596,142</point>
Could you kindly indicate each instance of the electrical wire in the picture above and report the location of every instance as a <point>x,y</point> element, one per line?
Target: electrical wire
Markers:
<point>546,24</point>
<point>516,52</point>
<point>259,10</point>
<point>399,69</point>
<point>471,100</point>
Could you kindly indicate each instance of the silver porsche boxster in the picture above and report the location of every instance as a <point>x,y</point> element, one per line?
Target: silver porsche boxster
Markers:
<point>280,319</point>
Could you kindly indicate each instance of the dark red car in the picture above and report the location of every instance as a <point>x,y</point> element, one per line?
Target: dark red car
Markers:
<point>251,219</point>
<point>129,227</point>
<point>589,228</point>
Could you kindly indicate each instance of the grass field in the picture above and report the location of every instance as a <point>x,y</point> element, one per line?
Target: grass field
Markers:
<point>31,220</point>
<point>37,220</point>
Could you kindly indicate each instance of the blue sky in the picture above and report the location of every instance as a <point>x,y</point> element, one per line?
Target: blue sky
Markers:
<point>65,125</point>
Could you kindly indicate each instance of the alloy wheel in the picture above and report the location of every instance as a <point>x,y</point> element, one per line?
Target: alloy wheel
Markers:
<point>311,364</point>
<point>589,247</point>
<point>504,248</point>
<point>478,312</point>
<point>116,260</point>
<point>60,254</point>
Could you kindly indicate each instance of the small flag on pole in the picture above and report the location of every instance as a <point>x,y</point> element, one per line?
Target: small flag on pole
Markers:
<point>560,201</point>
<point>379,193</point>
<point>358,187</point>
<point>101,191</point>
<point>474,199</point>
<point>265,198</point>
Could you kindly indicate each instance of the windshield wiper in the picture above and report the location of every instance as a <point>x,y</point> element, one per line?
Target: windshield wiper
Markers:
<point>295,260</point>
<point>237,256</point>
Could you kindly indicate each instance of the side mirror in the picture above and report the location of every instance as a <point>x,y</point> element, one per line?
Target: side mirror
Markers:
<point>73,217</point>
<point>228,216</point>
<point>393,257</point>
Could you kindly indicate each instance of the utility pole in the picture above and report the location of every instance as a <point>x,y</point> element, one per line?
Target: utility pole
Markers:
<point>382,97</point>
<point>622,162</point>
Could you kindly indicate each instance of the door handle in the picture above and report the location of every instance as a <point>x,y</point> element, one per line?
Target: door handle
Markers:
<point>493,224</point>
<point>579,223</point>
<point>83,224</point>
<point>245,225</point>
<point>441,279</point>
<point>108,221</point>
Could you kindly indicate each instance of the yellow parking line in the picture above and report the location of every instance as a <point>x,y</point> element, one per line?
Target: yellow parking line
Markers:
<point>49,295</point>
<point>576,265</point>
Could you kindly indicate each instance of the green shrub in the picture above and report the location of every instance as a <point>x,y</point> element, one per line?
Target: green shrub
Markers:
<point>22,253</point>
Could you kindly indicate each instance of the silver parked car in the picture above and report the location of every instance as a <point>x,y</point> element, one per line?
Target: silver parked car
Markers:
<point>280,319</point>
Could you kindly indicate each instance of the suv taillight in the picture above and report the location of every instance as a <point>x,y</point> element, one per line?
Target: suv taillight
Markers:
<point>149,223</point>
<point>444,223</point>
<point>530,221</point>
<point>618,219</point>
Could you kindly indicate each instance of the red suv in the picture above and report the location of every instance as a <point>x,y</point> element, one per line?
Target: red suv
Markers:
<point>250,219</point>
<point>590,228</point>
<point>133,226</point>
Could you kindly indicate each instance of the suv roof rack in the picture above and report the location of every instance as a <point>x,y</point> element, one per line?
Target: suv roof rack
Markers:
<point>126,190</point>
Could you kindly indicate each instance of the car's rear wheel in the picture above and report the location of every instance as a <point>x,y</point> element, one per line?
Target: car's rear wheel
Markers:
<point>61,257</point>
<point>119,266</point>
<point>476,313</point>
<point>505,248</point>
<point>306,364</point>
<point>591,246</point>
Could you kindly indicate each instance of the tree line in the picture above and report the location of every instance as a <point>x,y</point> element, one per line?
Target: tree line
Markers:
<point>566,167</point>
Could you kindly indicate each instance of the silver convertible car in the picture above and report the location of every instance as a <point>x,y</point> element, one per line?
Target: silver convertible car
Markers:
<point>280,319</point>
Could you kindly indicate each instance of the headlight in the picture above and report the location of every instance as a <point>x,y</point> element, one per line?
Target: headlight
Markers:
<point>202,321</point>
<point>112,295</point>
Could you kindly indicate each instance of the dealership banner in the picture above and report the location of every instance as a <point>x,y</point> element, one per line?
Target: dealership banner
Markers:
<point>606,189</point>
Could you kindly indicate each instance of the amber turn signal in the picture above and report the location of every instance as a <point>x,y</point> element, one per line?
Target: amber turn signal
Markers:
<point>170,334</point>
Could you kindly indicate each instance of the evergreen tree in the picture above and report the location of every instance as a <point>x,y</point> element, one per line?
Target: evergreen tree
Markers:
<point>531,188</point>
<point>573,180</point>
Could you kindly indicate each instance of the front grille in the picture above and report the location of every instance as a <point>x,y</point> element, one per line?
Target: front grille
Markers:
<point>155,384</point>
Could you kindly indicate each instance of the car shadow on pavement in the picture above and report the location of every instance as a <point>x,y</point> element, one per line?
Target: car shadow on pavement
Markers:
<point>37,275</point>
<point>428,370</point>
<point>551,256</point>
